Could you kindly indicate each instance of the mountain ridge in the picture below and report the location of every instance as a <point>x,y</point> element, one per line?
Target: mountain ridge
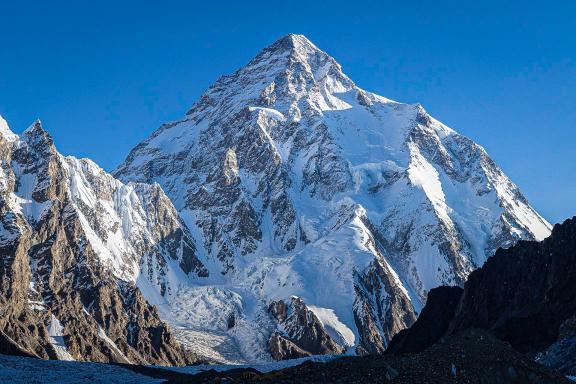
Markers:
<point>67,291</point>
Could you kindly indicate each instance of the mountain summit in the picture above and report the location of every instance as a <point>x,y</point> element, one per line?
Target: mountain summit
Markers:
<point>323,213</point>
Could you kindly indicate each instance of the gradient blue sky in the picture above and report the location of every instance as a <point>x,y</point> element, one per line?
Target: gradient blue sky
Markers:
<point>103,75</point>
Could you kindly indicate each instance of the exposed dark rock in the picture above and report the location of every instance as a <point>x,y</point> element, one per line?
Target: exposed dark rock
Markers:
<point>523,295</point>
<point>432,323</point>
<point>381,308</point>
<point>302,332</point>
<point>561,355</point>
<point>279,310</point>
<point>473,356</point>
<point>282,348</point>
<point>10,347</point>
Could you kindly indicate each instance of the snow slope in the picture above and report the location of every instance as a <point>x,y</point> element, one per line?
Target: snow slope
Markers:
<point>22,370</point>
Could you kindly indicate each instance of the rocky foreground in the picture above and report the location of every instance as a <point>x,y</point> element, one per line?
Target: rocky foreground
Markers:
<point>470,357</point>
<point>514,313</point>
<point>523,295</point>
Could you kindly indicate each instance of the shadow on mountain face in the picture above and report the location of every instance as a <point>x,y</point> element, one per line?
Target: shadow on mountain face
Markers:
<point>472,356</point>
<point>524,295</point>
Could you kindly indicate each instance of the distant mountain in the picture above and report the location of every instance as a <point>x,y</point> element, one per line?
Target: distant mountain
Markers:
<point>320,214</point>
<point>75,245</point>
<point>524,295</point>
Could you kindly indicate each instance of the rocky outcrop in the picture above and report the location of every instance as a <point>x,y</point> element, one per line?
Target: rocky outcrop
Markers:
<point>64,294</point>
<point>522,295</point>
<point>561,355</point>
<point>432,323</point>
<point>381,309</point>
<point>470,357</point>
<point>301,333</point>
<point>282,348</point>
<point>523,287</point>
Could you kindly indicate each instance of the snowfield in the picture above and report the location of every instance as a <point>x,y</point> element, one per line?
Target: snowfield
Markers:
<point>23,370</point>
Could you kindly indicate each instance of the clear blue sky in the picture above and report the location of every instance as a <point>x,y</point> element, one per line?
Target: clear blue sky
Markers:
<point>103,75</point>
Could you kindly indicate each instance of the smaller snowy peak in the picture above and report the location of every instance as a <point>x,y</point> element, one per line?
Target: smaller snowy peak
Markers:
<point>35,127</point>
<point>72,233</point>
<point>5,131</point>
<point>35,134</point>
<point>37,143</point>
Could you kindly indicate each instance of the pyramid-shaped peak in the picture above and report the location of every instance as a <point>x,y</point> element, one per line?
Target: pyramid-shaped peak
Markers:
<point>292,62</point>
<point>293,41</point>
<point>295,46</point>
<point>292,48</point>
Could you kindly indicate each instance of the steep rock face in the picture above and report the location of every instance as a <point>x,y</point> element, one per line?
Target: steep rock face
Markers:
<point>522,288</point>
<point>300,332</point>
<point>381,309</point>
<point>74,243</point>
<point>282,348</point>
<point>294,181</point>
<point>432,323</point>
<point>523,295</point>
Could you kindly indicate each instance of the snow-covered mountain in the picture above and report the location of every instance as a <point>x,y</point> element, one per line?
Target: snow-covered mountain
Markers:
<point>75,245</point>
<point>296,182</point>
